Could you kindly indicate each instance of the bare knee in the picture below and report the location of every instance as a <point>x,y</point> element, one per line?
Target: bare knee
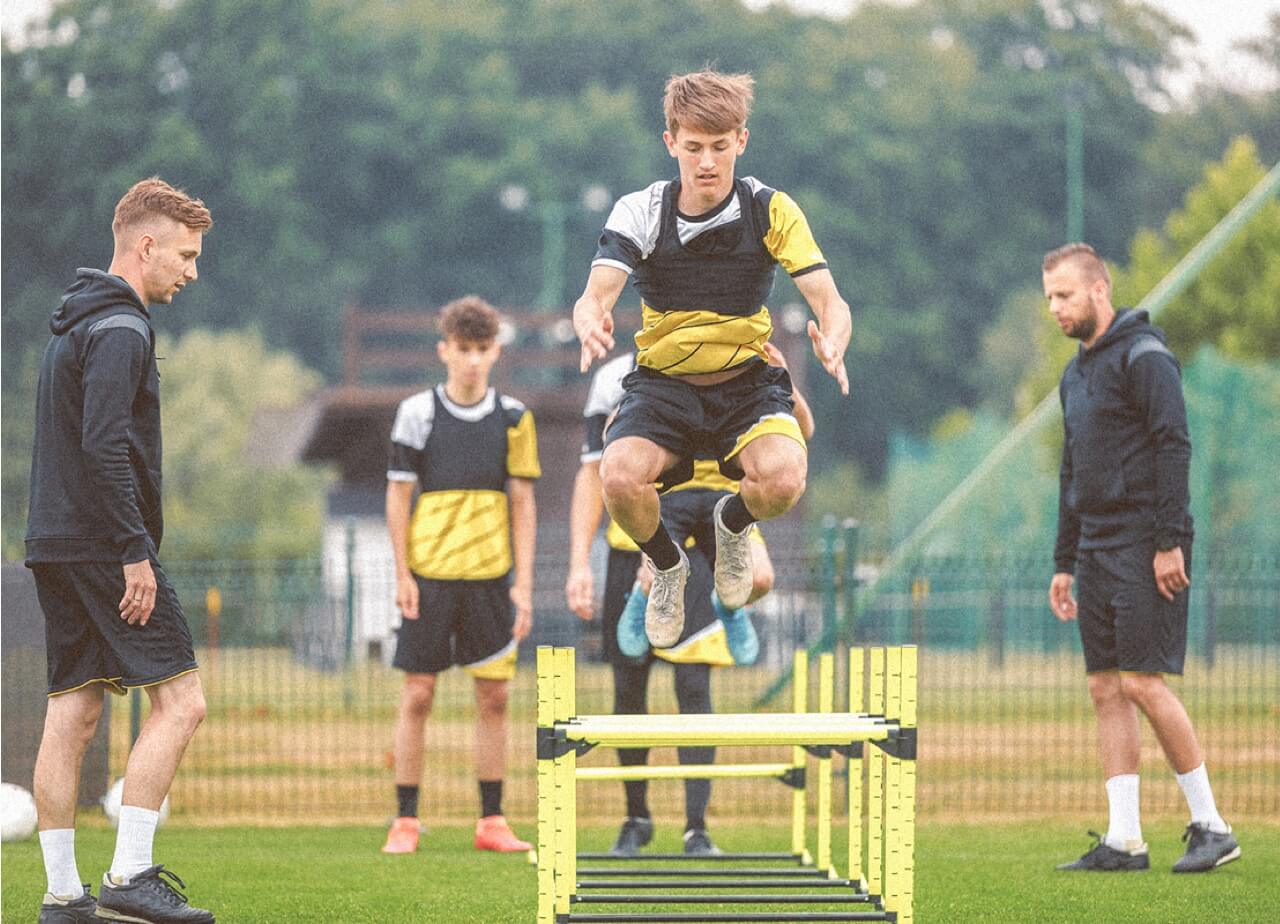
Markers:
<point>491,698</point>
<point>1142,689</point>
<point>1105,689</point>
<point>418,694</point>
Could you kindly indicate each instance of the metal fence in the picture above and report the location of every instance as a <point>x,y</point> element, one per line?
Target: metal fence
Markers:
<point>302,700</point>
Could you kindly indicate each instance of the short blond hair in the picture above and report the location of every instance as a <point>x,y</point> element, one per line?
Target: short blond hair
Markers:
<point>153,196</point>
<point>470,319</point>
<point>708,100</point>
<point>1083,256</point>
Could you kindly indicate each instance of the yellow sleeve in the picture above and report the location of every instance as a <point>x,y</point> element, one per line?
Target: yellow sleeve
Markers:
<point>522,449</point>
<point>789,239</point>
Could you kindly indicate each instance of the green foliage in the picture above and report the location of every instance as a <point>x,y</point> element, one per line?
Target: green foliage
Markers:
<point>1234,304</point>
<point>354,151</point>
<point>217,504</point>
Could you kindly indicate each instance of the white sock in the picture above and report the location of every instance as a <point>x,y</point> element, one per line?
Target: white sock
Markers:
<point>136,833</point>
<point>1124,830</point>
<point>59,849</point>
<point>1195,786</point>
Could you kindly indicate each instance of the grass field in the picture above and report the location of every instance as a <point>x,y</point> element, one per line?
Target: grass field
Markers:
<point>989,873</point>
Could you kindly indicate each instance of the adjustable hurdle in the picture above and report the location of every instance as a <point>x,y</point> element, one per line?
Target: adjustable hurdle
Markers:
<point>886,888</point>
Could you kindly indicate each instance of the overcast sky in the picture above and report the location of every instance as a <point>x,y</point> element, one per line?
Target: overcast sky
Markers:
<point>1216,23</point>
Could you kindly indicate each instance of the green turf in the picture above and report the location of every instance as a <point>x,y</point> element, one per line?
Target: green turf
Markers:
<point>994,873</point>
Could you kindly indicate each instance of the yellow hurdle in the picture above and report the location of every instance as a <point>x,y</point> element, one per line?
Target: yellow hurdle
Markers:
<point>882,876</point>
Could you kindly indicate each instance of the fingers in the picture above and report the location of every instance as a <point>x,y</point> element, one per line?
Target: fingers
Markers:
<point>407,601</point>
<point>831,360</point>
<point>596,344</point>
<point>138,602</point>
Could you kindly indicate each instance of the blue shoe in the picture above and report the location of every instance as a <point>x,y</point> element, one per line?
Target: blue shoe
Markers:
<point>739,633</point>
<point>632,640</point>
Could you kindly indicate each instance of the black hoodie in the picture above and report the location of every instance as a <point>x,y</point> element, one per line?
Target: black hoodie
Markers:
<point>1126,455</point>
<point>95,468</point>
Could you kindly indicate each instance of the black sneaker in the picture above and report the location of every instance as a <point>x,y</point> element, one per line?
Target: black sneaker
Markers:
<point>698,843</point>
<point>1206,849</point>
<point>1106,859</point>
<point>80,910</point>
<point>147,898</point>
<point>635,833</point>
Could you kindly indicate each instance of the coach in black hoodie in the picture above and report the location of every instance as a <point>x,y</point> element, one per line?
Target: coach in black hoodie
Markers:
<point>1124,530</point>
<point>112,619</point>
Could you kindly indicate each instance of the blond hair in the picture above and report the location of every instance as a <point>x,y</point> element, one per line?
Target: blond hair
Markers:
<point>709,101</point>
<point>470,319</point>
<point>153,196</point>
<point>1083,256</point>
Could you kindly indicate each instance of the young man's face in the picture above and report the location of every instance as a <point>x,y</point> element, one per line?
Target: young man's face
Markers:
<point>706,160</point>
<point>169,253</point>
<point>468,362</point>
<point>1074,299</point>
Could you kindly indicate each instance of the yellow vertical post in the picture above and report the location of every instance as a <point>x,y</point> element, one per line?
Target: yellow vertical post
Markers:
<point>546,791</point>
<point>893,786</point>
<point>566,785</point>
<point>907,719</point>
<point>826,702</point>
<point>875,781</point>
<point>799,703</point>
<point>856,679</point>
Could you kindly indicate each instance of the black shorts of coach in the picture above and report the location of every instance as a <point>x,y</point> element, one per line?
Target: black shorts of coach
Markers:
<point>1125,623</point>
<point>705,421</point>
<point>467,623</point>
<point>87,641</point>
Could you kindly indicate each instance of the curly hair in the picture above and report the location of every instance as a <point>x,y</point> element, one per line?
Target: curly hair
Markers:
<point>469,319</point>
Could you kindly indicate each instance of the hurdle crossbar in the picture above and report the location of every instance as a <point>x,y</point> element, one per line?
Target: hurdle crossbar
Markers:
<point>890,782</point>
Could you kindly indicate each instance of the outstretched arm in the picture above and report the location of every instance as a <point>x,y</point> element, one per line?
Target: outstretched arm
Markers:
<point>834,327</point>
<point>593,313</point>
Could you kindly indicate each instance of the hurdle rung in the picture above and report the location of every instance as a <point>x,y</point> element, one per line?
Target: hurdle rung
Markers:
<point>694,858</point>
<point>685,772</point>
<point>676,917</point>
<point>650,871</point>
<point>858,898</point>
<point>724,729</point>
<point>779,883</point>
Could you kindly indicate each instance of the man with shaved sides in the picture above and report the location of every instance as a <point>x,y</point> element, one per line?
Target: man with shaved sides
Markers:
<point>113,621</point>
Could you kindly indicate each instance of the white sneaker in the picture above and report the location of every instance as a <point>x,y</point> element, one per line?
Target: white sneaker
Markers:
<point>664,614</point>
<point>733,561</point>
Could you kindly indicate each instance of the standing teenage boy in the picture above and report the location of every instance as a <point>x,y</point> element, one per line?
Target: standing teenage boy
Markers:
<point>464,559</point>
<point>702,250</point>
<point>113,620</point>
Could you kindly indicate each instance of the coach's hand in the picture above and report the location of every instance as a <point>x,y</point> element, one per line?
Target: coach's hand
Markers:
<point>580,591</point>
<point>522,597</point>
<point>595,330</point>
<point>407,595</point>
<point>1060,599</point>
<point>1171,573</point>
<point>830,355</point>
<point>139,593</point>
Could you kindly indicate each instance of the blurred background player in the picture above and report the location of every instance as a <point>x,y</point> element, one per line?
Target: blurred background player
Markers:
<point>464,560</point>
<point>712,635</point>
<point>113,620</point>
<point>1124,530</point>
<point>703,250</point>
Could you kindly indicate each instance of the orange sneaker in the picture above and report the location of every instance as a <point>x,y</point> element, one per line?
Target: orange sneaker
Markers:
<point>493,833</point>
<point>403,836</point>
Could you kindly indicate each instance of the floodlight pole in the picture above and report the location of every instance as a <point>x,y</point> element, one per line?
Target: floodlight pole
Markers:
<point>553,251</point>
<point>1075,166</point>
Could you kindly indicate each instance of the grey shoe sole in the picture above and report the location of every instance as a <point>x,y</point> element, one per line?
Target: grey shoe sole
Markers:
<point>1221,861</point>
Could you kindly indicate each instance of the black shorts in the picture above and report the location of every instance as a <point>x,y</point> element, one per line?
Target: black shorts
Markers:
<point>1125,624</point>
<point>86,640</point>
<point>704,422</point>
<point>467,623</point>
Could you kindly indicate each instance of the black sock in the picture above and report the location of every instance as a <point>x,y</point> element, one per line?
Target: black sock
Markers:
<point>661,549</point>
<point>407,798</point>
<point>735,515</point>
<point>637,798</point>
<point>490,798</point>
